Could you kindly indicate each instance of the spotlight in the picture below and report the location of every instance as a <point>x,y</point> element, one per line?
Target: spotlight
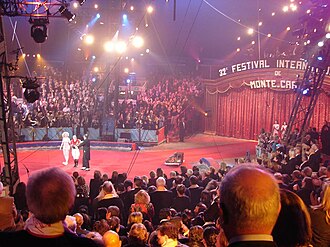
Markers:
<point>98,16</point>
<point>320,44</point>
<point>81,2</point>
<point>137,41</point>
<point>66,13</point>
<point>75,5</point>
<point>88,39</point>
<point>150,9</point>
<point>327,35</point>
<point>250,31</point>
<point>320,58</point>
<point>31,93</point>
<point>120,47</point>
<point>109,46</point>
<point>39,30</point>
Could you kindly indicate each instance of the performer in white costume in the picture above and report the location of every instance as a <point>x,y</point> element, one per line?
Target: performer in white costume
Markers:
<point>276,129</point>
<point>66,147</point>
<point>75,150</point>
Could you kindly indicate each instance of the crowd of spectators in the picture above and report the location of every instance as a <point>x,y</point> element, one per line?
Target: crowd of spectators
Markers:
<point>62,103</point>
<point>273,151</point>
<point>75,103</point>
<point>159,105</point>
<point>186,208</point>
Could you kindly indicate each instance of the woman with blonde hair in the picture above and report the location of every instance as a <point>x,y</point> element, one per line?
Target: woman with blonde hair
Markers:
<point>320,215</point>
<point>137,236</point>
<point>142,204</point>
<point>135,217</point>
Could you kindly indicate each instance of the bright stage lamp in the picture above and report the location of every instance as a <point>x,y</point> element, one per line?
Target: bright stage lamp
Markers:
<point>120,47</point>
<point>250,31</point>
<point>89,39</point>
<point>109,46</point>
<point>137,41</point>
<point>150,9</point>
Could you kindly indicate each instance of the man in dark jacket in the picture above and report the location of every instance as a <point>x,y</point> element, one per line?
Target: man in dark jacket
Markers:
<point>87,152</point>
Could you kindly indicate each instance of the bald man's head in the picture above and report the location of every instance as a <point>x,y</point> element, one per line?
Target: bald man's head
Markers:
<point>250,201</point>
<point>111,239</point>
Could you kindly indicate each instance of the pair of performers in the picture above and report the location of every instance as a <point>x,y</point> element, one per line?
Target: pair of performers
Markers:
<point>75,143</point>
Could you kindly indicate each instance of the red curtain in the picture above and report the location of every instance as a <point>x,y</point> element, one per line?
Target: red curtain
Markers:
<point>241,113</point>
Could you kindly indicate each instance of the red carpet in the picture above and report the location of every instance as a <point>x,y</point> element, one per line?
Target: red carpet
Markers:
<point>218,148</point>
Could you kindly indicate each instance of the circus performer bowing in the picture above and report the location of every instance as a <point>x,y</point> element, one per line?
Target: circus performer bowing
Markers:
<point>75,150</point>
<point>66,147</point>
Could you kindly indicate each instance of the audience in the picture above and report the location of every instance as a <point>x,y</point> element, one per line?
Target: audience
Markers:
<point>184,208</point>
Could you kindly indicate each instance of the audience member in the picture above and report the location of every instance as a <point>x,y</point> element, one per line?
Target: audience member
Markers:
<point>320,216</point>
<point>8,212</point>
<point>293,225</point>
<point>50,195</point>
<point>111,239</point>
<point>250,204</point>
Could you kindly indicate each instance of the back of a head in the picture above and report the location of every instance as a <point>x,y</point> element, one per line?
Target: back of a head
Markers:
<point>111,239</point>
<point>210,235</point>
<point>107,187</point>
<point>293,226</point>
<point>138,233</point>
<point>113,210</point>
<point>135,217</point>
<point>193,180</point>
<point>160,182</point>
<point>250,201</point>
<point>168,229</point>
<point>50,194</point>
<point>196,234</point>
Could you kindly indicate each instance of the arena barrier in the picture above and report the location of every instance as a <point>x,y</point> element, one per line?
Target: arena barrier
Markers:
<point>141,135</point>
<point>129,135</point>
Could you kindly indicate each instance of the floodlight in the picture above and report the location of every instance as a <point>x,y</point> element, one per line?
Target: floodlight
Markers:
<point>66,13</point>
<point>31,93</point>
<point>137,41</point>
<point>39,29</point>
<point>81,2</point>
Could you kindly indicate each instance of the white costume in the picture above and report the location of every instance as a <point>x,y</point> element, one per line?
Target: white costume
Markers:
<point>75,150</point>
<point>66,147</point>
<point>283,129</point>
<point>276,129</point>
